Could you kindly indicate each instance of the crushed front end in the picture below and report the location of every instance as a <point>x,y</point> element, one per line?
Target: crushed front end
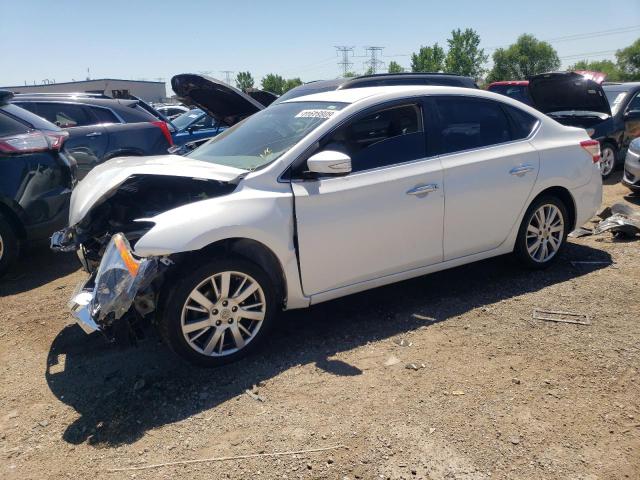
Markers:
<point>104,302</point>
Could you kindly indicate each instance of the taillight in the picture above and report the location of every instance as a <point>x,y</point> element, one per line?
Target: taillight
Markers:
<point>165,130</point>
<point>593,148</point>
<point>35,141</point>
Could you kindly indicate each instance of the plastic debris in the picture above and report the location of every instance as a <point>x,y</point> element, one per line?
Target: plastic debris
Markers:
<point>580,232</point>
<point>621,220</point>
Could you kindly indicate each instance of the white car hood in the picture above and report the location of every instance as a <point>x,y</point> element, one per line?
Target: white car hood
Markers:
<point>105,178</point>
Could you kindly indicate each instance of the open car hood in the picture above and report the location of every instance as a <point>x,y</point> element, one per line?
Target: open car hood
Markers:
<point>567,91</point>
<point>105,178</point>
<point>223,102</point>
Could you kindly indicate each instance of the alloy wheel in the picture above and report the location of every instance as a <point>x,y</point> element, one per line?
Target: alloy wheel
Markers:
<point>545,233</point>
<point>607,161</point>
<point>223,313</point>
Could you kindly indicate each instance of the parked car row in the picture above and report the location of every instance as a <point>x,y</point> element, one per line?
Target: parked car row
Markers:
<point>610,112</point>
<point>316,197</point>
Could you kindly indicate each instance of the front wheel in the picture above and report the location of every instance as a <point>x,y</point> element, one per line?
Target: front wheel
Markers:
<point>219,312</point>
<point>543,232</point>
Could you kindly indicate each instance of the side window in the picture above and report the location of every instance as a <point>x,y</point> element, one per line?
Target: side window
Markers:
<point>65,115</point>
<point>203,122</point>
<point>11,126</point>
<point>522,124</point>
<point>103,115</point>
<point>635,103</point>
<point>387,137</point>
<point>467,123</point>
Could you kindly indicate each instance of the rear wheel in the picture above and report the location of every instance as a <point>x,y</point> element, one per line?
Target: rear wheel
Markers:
<point>607,159</point>
<point>543,232</point>
<point>9,246</point>
<point>220,312</point>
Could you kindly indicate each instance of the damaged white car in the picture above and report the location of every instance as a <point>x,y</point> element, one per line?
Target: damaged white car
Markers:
<point>316,198</point>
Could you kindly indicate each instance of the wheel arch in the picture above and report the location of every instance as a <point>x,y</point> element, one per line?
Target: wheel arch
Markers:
<point>250,249</point>
<point>13,219</point>
<point>565,196</point>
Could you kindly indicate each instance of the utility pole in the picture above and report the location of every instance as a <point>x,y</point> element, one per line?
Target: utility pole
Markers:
<point>344,64</point>
<point>374,61</point>
<point>227,76</point>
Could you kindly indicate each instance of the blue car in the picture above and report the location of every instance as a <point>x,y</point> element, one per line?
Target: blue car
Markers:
<point>195,125</point>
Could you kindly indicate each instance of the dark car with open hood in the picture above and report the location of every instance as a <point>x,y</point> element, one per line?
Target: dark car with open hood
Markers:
<point>36,177</point>
<point>609,113</point>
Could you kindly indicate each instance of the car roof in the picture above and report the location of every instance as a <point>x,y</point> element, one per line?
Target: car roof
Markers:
<point>510,83</point>
<point>106,102</point>
<point>620,87</point>
<point>354,95</point>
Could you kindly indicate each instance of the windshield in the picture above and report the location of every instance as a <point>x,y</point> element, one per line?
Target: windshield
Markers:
<point>615,98</point>
<point>187,118</point>
<point>265,136</point>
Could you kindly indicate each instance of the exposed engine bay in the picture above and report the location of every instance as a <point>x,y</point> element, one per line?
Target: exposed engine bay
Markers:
<point>129,208</point>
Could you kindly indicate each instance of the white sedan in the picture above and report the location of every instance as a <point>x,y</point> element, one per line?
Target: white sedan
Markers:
<point>320,197</point>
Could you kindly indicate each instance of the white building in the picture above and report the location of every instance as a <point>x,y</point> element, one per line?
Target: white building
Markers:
<point>146,90</point>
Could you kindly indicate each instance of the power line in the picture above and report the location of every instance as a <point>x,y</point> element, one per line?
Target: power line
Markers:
<point>374,62</point>
<point>588,54</point>
<point>227,76</point>
<point>344,63</point>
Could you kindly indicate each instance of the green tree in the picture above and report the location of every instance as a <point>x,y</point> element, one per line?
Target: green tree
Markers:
<point>273,83</point>
<point>244,80</point>
<point>465,57</point>
<point>292,83</point>
<point>528,56</point>
<point>428,59</point>
<point>604,66</point>
<point>350,75</point>
<point>394,67</point>
<point>629,61</point>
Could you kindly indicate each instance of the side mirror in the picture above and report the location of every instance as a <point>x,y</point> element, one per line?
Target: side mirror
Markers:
<point>329,162</point>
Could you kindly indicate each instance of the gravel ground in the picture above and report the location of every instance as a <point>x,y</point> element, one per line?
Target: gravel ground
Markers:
<point>441,377</point>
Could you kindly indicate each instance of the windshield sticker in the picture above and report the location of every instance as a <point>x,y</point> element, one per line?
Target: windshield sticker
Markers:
<point>316,113</point>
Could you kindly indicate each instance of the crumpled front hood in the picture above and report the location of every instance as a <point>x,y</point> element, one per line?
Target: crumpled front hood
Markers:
<point>107,177</point>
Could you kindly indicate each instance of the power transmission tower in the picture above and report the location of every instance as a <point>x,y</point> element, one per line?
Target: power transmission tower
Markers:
<point>344,64</point>
<point>374,61</point>
<point>227,76</point>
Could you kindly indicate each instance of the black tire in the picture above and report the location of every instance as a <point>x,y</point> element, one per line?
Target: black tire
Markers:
<point>521,251</point>
<point>9,246</point>
<point>604,147</point>
<point>170,322</point>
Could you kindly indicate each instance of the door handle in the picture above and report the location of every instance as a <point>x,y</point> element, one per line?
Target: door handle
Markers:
<point>521,170</point>
<point>423,189</point>
<point>94,134</point>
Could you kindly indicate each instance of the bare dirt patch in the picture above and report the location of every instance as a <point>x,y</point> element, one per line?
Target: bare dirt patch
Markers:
<point>445,376</point>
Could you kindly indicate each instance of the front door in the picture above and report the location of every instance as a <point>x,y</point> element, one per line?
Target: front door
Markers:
<point>384,217</point>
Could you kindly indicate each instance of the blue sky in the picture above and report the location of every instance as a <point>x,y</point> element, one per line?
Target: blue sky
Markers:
<point>139,39</point>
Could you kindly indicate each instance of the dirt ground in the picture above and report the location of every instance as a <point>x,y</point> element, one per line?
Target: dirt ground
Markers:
<point>494,393</point>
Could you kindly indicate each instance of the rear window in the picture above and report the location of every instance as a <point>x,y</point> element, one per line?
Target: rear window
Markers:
<point>517,92</point>
<point>522,122</point>
<point>10,126</point>
<point>103,115</point>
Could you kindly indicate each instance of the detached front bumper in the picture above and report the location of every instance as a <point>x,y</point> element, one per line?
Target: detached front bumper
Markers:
<point>109,294</point>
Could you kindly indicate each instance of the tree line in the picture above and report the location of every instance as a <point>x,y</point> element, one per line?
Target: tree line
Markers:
<point>462,55</point>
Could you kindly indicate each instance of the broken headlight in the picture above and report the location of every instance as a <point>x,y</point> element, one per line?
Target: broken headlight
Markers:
<point>120,277</point>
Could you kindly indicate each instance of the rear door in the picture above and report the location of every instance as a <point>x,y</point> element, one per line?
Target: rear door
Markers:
<point>489,170</point>
<point>384,217</point>
<point>88,139</point>
<point>631,121</point>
